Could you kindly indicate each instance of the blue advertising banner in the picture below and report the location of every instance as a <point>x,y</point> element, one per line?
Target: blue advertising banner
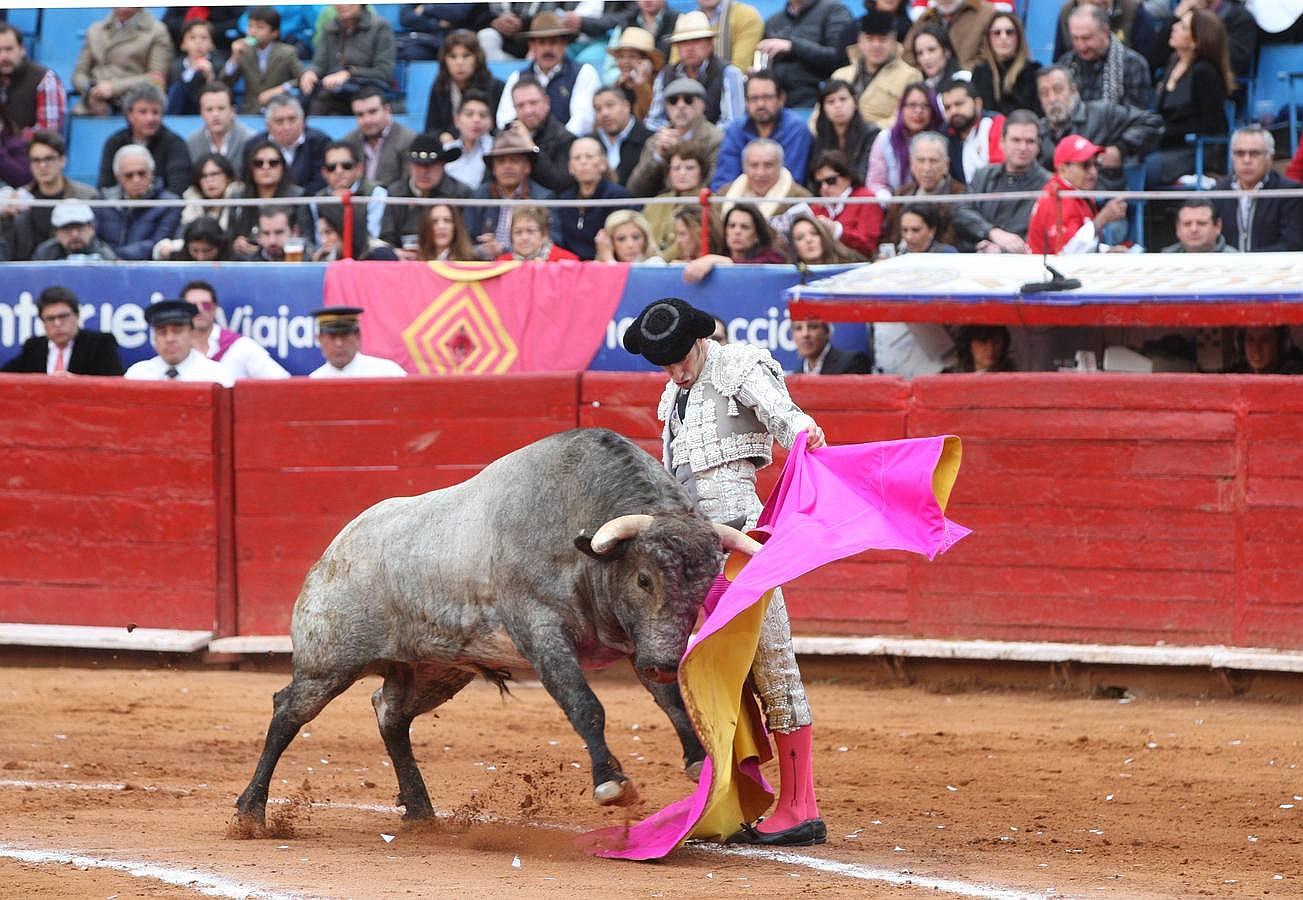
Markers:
<point>270,303</point>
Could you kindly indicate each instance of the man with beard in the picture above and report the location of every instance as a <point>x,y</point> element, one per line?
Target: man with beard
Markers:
<point>568,86</point>
<point>993,226</point>
<point>143,106</point>
<point>32,93</point>
<point>74,235</point>
<point>767,117</point>
<point>974,136</point>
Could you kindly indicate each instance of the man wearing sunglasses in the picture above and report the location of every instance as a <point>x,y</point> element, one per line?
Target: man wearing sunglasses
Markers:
<point>685,107</point>
<point>132,231</point>
<point>1072,224</point>
<point>342,171</point>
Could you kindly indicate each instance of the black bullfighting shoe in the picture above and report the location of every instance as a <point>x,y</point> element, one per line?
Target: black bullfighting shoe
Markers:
<point>807,834</point>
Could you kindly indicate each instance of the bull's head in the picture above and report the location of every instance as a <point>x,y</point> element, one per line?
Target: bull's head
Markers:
<point>661,568</point>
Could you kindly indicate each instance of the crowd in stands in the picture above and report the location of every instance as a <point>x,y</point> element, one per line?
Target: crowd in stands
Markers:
<point>797,119</point>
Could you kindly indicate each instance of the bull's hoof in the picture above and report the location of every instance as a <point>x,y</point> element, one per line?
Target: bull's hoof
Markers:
<point>247,826</point>
<point>615,793</point>
<point>694,769</point>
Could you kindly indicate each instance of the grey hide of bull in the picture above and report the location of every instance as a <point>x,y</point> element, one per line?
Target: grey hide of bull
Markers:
<point>497,573</point>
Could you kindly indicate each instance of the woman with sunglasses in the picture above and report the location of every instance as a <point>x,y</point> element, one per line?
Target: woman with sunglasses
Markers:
<point>265,178</point>
<point>857,225</point>
<point>839,126</point>
<point>889,158</point>
<point>1005,78</point>
<point>213,178</point>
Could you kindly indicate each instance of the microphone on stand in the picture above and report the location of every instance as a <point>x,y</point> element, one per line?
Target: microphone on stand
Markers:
<point>1058,281</point>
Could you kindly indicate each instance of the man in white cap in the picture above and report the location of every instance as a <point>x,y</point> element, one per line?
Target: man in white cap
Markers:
<point>171,323</point>
<point>73,222</point>
<point>694,40</point>
<point>340,338</point>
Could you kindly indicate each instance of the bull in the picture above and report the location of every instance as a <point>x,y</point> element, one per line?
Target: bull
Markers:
<point>570,553</point>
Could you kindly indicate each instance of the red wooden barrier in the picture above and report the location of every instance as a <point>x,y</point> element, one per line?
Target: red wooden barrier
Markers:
<point>114,503</point>
<point>311,455</point>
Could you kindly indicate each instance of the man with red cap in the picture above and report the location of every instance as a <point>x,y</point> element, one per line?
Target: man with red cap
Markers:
<point>1072,224</point>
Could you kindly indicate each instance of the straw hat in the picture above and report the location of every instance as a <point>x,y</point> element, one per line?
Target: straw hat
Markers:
<point>509,143</point>
<point>692,26</point>
<point>640,40</point>
<point>545,25</point>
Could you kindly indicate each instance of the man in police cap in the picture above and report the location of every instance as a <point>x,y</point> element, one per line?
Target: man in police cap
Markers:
<point>340,338</point>
<point>172,322</point>
<point>722,409</point>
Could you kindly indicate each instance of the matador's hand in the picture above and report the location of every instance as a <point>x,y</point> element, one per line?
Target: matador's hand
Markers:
<point>814,438</point>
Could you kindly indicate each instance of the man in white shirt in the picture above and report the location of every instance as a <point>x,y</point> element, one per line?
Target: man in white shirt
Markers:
<point>568,84</point>
<point>242,356</point>
<point>340,338</point>
<point>172,322</point>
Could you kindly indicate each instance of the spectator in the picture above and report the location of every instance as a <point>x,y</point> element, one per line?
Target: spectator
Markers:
<point>1295,168</point>
<point>462,69</point>
<point>803,46</point>
<point>621,135</point>
<point>530,237</point>
<point>74,235</point>
<point>650,16</point>
<point>502,27</point>
<point>1199,229</point>
<point>1241,30</point>
<point>1124,132</point>
<point>763,175</point>
<point>221,18</point>
<point>687,233</point>
<point>857,225</point>
<point>627,237</point>
<point>1071,224</point>
<point>1191,97</point>
<point>200,64</point>
<point>568,86</point>
<point>266,179</point>
<point>1102,67</point>
<point>748,240</point>
<point>741,31</point>
<point>143,106</point>
<point>819,357</point>
<point>172,324</point>
<point>1267,350</point>
<point>933,55</point>
<point>424,28</point>
<point>363,247</point>
<point>929,167</point>
<point>343,173</point>
<point>1256,222</point>
<point>889,158</point>
<point>963,21</point>
<point>995,226</point>
<point>511,161</point>
<point>126,49</point>
<point>46,156</point>
<point>202,240</point>
<point>536,125</point>
<point>381,142</point>
<point>982,348</point>
<point>919,226</point>
<point>33,94</point>
<point>303,148</point>
<point>687,168</point>
<point>268,66</point>
<point>428,177</point>
<point>340,338</point>
<point>877,74</point>
<point>974,134</point>
<point>221,132</point>
<point>839,126</point>
<point>767,117</point>
<point>443,236</point>
<point>812,244</point>
<point>1127,19</point>
<point>356,51</point>
<point>579,227</point>
<point>276,227</point>
<point>65,349</point>
<point>132,231</point>
<point>693,40</point>
<point>685,104</point>
<point>1005,76</point>
<point>474,125</point>
<point>241,356</point>
<point>638,62</point>
<point>212,178</point>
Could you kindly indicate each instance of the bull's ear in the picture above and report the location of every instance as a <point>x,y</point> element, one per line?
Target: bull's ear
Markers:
<point>584,544</point>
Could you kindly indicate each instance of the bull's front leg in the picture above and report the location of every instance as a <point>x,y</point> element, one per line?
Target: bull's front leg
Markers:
<point>557,663</point>
<point>670,700</point>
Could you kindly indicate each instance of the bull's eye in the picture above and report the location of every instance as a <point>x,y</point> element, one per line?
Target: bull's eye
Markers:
<point>644,582</point>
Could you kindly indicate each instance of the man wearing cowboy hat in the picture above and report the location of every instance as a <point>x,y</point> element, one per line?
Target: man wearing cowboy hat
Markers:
<point>510,162</point>
<point>569,85</point>
<point>694,40</point>
<point>638,61</point>
<point>425,178</point>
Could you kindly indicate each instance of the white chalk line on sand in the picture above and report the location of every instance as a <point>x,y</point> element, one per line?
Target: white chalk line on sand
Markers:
<point>217,886</point>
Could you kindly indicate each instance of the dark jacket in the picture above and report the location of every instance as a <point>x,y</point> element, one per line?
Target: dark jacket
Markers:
<point>484,219</point>
<point>1137,87</point>
<point>305,171</point>
<point>579,227</point>
<point>132,231</point>
<point>93,353</point>
<point>1241,29</point>
<point>244,219</point>
<point>368,53</point>
<point>1134,131</point>
<point>845,362</point>
<point>631,151</point>
<point>171,159</point>
<point>974,220</point>
<point>439,114</point>
<point>551,167</point>
<point>400,219</point>
<point>816,34</point>
<point>1195,106</point>
<point>1277,221</point>
<point>1022,96</point>
<point>50,250</point>
<point>32,227</point>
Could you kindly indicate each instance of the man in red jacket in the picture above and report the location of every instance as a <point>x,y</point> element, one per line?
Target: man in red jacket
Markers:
<point>1072,224</point>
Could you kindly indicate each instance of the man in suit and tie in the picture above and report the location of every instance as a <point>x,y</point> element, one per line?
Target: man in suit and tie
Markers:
<point>65,349</point>
<point>819,357</point>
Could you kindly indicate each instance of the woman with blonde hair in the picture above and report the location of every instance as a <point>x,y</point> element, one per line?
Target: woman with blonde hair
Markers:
<point>1005,78</point>
<point>812,244</point>
<point>627,237</point>
<point>443,236</point>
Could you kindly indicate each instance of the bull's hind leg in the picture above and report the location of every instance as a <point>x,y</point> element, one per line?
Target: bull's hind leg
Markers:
<point>407,692</point>
<point>670,700</point>
<point>295,705</point>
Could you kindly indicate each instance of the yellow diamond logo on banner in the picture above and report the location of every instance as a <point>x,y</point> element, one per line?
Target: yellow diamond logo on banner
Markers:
<point>460,333</point>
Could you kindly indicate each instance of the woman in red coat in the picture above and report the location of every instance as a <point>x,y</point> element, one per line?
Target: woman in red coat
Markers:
<point>858,226</point>
<point>529,237</point>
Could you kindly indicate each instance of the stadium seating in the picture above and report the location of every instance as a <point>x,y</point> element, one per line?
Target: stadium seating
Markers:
<point>1042,18</point>
<point>1274,100</point>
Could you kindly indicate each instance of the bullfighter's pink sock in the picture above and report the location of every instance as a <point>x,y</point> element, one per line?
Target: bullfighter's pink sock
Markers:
<point>796,801</point>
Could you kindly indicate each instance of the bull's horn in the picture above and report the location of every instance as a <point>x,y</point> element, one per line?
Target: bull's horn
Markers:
<point>621,528</point>
<point>732,539</point>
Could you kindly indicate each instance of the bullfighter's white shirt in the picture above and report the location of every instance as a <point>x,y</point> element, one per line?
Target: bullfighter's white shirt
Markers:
<point>195,367</point>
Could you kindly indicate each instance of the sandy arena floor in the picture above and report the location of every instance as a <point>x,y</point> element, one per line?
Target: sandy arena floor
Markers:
<point>978,793</point>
